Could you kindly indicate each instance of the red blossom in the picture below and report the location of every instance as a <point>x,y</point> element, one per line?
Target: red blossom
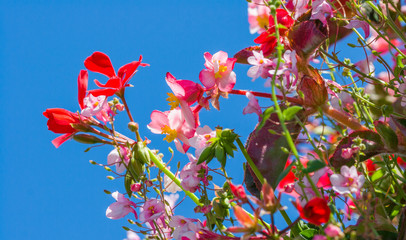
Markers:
<point>59,121</point>
<point>239,192</point>
<point>316,211</point>
<point>100,63</point>
<point>267,39</point>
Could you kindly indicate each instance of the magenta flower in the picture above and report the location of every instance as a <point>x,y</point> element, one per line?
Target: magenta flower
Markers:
<point>152,210</point>
<point>173,124</point>
<point>121,208</point>
<point>253,105</point>
<point>219,73</point>
<point>348,181</point>
<point>185,93</point>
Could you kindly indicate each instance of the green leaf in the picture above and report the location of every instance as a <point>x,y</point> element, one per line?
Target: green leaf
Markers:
<point>290,112</point>
<point>308,233</point>
<point>313,166</point>
<point>264,117</point>
<point>221,155</point>
<point>204,156</point>
<point>377,175</point>
<point>128,180</point>
<point>389,136</point>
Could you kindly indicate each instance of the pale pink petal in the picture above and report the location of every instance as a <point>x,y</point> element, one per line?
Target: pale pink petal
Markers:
<point>158,120</point>
<point>207,78</point>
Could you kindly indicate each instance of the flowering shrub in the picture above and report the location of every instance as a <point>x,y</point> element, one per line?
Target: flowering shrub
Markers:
<point>334,138</point>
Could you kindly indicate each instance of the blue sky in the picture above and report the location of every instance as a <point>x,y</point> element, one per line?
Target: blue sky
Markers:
<point>49,193</point>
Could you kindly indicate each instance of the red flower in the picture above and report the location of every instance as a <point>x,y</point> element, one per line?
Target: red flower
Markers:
<point>267,39</point>
<point>100,63</point>
<point>239,192</point>
<point>59,121</point>
<point>315,211</point>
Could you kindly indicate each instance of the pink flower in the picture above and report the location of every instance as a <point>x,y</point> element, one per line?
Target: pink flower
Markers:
<point>253,105</point>
<point>333,231</point>
<point>173,124</point>
<point>185,93</point>
<point>152,210</point>
<point>121,208</point>
<point>319,10</point>
<point>132,236</point>
<point>200,140</point>
<point>93,105</point>
<point>379,44</point>
<point>184,227</point>
<point>192,174</point>
<point>219,72</point>
<point>319,237</point>
<point>347,153</point>
<point>259,63</point>
<point>359,24</point>
<point>348,181</point>
<point>114,159</point>
<point>402,90</point>
<point>258,17</point>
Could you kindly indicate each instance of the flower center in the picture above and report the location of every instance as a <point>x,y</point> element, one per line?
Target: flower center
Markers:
<point>171,133</point>
<point>263,21</point>
<point>221,70</point>
<point>173,101</point>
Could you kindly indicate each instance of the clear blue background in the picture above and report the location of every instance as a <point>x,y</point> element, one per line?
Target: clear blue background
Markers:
<point>49,193</point>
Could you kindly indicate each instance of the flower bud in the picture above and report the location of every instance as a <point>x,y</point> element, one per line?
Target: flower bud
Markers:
<point>136,187</point>
<point>314,89</point>
<point>87,139</point>
<point>305,37</point>
<point>133,126</point>
<point>268,198</point>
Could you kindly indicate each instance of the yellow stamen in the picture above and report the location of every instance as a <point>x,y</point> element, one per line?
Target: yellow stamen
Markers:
<point>171,133</point>
<point>173,101</point>
<point>222,69</point>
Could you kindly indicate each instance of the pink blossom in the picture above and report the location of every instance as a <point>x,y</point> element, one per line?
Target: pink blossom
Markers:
<point>288,71</point>
<point>253,105</point>
<point>173,124</point>
<point>219,71</point>
<point>114,159</point>
<point>258,17</point>
<point>307,189</point>
<point>348,181</point>
<point>300,7</point>
<point>93,105</point>
<point>185,93</point>
<point>192,174</point>
<point>200,140</point>
<point>333,231</point>
<point>319,237</point>
<point>319,10</point>
<point>121,208</point>
<point>366,65</point>
<point>184,227</point>
<point>259,63</point>
<point>359,24</point>
<point>136,187</point>
<point>170,185</point>
<point>132,236</point>
<point>152,210</point>
<point>402,90</point>
<point>380,45</point>
<point>347,153</point>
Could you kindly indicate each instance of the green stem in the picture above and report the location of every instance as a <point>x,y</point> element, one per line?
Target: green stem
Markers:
<point>172,176</point>
<point>250,162</point>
